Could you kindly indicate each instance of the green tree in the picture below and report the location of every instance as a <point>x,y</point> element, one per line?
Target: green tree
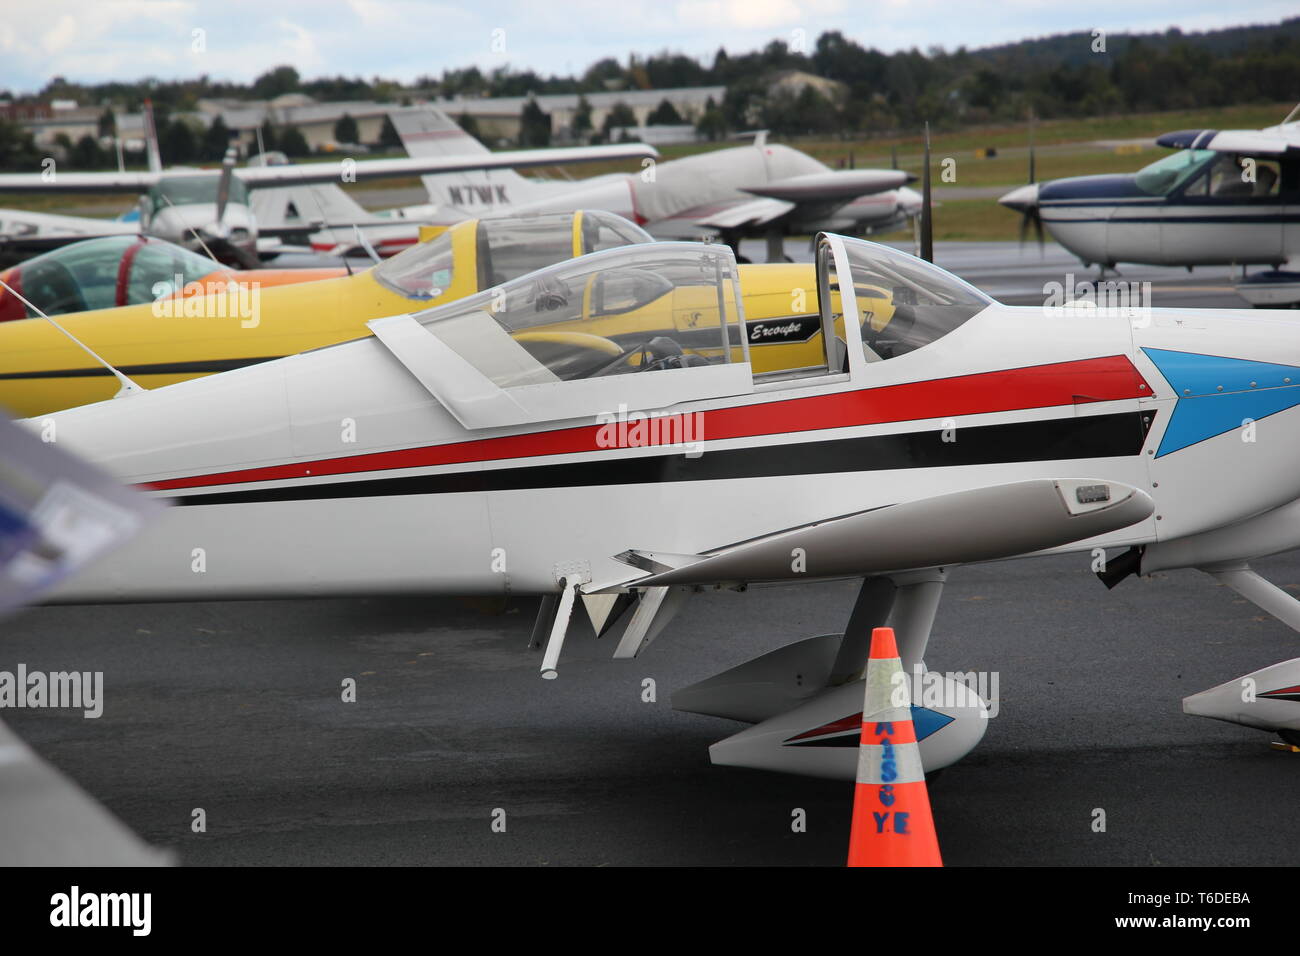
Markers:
<point>470,125</point>
<point>712,124</point>
<point>388,138</point>
<point>293,143</point>
<point>86,154</point>
<point>177,143</point>
<point>107,123</point>
<point>582,117</point>
<point>276,82</point>
<point>216,140</point>
<point>665,114</point>
<point>17,148</point>
<point>345,130</point>
<point>534,126</point>
<point>620,114</point>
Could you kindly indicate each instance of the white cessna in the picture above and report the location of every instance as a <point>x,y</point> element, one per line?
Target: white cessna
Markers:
<point>1226,197</point>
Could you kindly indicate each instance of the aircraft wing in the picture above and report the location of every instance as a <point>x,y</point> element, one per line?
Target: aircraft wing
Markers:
<point>813,196</point>
<point>1263,142</point>
<point>744,212</point>
<point>58,182</point>
<point>833,186</point>
<point>348,170</point>
<point>337,171</point>
<point>982,524</point>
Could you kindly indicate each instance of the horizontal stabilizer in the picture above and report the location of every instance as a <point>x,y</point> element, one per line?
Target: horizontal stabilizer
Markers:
<point>982,524</point>
<point>834,186</point>
<point>752,212</point>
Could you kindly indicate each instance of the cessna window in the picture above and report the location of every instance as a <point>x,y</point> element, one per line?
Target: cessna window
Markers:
<point>423,271</point>
<point>682,310</point>
<point>905,302</point>
<point>1165,175</point>
<point>188,190</point>
<point>1231,178</point>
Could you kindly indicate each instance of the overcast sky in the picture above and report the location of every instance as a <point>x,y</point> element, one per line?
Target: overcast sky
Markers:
<point>97,40</point>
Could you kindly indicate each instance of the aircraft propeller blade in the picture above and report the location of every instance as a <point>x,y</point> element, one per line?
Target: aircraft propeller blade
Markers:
<point>223,185</point>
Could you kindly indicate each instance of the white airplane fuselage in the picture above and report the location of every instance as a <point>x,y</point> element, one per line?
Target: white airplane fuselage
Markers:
<point>1107,220</point>
<point>335,472</point>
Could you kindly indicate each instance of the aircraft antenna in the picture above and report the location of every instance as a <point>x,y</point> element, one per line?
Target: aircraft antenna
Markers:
<point>927,215</point>
<point>365,244</point>
<point>128,386</point>
<point>1290,116</point>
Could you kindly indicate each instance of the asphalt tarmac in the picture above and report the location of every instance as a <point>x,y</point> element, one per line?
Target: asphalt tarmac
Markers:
<point>236,709</point>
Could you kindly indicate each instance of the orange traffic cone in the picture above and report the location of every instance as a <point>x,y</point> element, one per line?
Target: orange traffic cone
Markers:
<point>892,822</point>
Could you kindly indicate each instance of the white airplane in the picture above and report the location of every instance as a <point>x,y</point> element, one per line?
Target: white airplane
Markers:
<point>210,211</point>
<point>1227,197</point>
<point>763,189</point>
<point>595,430</point>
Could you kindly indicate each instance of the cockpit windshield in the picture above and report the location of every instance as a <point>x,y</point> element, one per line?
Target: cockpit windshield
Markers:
<point>505,248</point>
<point>188,190</point>
<point>513,246</point>
<point>622,311</point>
<point>905,302</point>
<point>1165,175</point>
<point>108,272</point>
<point>423,271</point>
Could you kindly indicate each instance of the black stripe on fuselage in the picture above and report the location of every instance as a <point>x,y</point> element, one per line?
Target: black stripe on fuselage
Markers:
<point>1090,436</point>
<point>158,368</point>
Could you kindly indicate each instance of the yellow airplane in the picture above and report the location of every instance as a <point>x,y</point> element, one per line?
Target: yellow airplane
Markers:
<point>171,340</point>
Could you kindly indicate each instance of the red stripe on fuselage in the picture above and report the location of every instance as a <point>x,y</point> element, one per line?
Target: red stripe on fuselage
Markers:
<point>1039,386</point>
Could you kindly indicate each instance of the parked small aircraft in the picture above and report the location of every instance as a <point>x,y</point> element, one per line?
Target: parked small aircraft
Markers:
<point>763,189</point>
<point>160,341</point>
<point>526,440</point>
<point>213,327</point>
<point>1226,197</point>
<point>210,209</point>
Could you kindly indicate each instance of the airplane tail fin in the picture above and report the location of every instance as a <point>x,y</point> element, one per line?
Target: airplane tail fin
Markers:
<point>428,131</point>
<point>151,139</point>
<point>286,207</point>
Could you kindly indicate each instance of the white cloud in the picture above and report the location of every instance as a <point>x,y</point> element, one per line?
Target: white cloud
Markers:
<point>130,39</point>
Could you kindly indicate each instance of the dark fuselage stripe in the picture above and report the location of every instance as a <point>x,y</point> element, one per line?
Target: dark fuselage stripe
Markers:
<point>159,368</point>
<point>1090,436</point>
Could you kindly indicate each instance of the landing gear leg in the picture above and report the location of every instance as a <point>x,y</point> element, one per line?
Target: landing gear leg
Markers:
<point>1263,594</point>
<point>908,602</point>
<point>776,246</point>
